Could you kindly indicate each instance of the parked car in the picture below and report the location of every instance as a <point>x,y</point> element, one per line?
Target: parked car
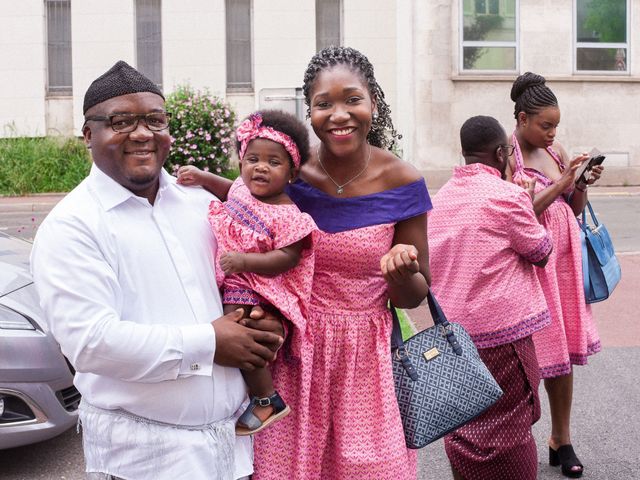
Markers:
<point>37,397</point>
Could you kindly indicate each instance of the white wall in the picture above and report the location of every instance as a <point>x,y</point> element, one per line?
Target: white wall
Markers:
<point>101,34</point>
<point>22,68</point>
<point>597,111</point>
<point>193,44</point>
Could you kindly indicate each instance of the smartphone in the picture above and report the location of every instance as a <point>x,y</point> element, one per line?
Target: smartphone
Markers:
<point>587,166</point>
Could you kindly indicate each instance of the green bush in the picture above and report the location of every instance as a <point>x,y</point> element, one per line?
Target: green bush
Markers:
<point>45,164</point>
<point>202,129</point>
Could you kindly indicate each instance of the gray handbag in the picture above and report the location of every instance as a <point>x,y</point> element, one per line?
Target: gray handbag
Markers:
<point>441,382</point>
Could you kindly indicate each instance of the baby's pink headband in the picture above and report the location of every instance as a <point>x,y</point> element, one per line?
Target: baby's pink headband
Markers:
<point>252,128</point>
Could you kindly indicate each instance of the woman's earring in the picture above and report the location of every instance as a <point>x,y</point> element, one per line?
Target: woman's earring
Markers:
<point>375,115</point>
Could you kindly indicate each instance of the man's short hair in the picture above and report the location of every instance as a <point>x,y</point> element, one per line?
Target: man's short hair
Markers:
<point>480,132</point>
<point>121,79</point>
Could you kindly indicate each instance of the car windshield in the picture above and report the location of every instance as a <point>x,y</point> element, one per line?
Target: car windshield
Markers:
<point>14,263</point>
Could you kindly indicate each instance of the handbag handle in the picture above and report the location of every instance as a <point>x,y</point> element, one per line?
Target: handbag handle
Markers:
<point>439,320</point>
<point>591,212</point>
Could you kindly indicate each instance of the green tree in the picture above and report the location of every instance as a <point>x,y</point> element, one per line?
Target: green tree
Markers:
<point>608,18</point>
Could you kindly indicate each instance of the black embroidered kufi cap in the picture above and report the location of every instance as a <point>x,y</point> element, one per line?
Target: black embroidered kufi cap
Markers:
<point>121,79</point>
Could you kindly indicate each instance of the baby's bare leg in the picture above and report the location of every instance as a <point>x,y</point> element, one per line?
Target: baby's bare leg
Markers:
<point>260,385</point>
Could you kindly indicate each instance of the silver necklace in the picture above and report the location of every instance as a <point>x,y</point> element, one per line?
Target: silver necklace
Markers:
<point>340,188</point>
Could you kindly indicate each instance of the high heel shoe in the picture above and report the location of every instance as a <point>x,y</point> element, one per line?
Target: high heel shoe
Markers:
<point>566,457</point>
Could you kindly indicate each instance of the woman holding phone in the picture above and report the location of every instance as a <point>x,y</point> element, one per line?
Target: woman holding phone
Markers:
<point>559,198</point>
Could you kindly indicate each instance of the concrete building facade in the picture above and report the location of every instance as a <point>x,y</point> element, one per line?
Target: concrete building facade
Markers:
<point>439,62</point>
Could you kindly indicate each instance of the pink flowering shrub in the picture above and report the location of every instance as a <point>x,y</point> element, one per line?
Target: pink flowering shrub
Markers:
<point>202,130</point>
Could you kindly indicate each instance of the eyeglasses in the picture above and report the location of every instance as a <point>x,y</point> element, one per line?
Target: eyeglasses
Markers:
<point>508,149</point>
<point>128,122</point>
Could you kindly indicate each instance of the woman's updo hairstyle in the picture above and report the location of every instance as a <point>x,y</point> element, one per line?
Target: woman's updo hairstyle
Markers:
<point>382,133</point>
<point>531,95</point>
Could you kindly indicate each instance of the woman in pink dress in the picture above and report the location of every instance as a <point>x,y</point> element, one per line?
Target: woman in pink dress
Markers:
<point>371,247</point>
<point>572,335</point>
<point>370,207</point>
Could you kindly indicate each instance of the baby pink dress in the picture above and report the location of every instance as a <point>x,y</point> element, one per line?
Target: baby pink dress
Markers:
<point>572,335</point>
<point>344,421</point>
<point>245,224</point>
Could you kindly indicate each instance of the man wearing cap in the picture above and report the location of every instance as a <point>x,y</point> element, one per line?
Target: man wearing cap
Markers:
<point>124,269</point>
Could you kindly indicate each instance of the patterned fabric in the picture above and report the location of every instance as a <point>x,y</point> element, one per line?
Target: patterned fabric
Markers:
<point>449,389</point>
<point>345,422</point>
<point>121,79</point>
<point>494,221</point>
<point>572,335</point>
<point>498,445</point>
<point>245,224</point>
<point>252,128</point>
<point>121,444</point>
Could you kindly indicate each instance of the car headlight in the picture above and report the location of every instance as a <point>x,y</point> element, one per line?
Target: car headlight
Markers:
<point>12,320</point>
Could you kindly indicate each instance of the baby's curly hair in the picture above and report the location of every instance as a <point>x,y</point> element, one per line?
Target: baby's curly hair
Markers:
<point>382,133</point>
<point>288,124</point>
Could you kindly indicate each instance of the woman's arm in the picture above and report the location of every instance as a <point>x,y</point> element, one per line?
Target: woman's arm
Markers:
<point>270,263</point>
<point>406,266</point>
<point>547,196</point>
<point>579,198</point>
<point>192,176</point>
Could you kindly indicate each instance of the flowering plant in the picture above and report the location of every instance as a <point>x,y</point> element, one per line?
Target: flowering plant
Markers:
<point>202,129</point>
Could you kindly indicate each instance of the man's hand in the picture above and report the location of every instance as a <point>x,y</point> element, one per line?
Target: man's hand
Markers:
<point>260,319</point>
<point>232,262</point>
<point>529,184</point>
<point>400,263</point>
<point>240,346</point>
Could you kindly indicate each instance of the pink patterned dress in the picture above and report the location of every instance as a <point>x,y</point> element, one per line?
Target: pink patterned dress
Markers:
<point>245,224</point>
<point>572,336</point>
<point>345,422</point>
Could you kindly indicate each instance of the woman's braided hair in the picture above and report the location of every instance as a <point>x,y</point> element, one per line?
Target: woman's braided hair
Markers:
<point>531,95</point>
<point>382,133</point>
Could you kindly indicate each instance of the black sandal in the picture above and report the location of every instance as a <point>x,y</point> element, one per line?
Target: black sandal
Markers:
<point>566,457</point>
<point>248,423</point>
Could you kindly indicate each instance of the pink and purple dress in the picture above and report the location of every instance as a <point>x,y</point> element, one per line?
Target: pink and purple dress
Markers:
<point>572,335</point>
<point>245,224</point>
<point>345,422</point>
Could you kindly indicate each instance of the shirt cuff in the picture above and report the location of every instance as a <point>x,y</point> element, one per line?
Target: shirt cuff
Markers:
<point>541,251</point>
<point>198,349</point>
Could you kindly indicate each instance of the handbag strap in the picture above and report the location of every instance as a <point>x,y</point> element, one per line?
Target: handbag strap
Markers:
<point>591,212</point>
<point>439,320</point>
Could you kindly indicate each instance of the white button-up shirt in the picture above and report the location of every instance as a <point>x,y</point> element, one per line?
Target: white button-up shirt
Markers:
<point>129,291</point>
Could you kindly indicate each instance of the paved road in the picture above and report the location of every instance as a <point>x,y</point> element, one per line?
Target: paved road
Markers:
<point>607,394</point>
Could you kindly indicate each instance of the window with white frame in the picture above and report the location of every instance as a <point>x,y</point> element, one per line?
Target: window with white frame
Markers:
<point>328,23</point>
<point>149,39</point>
<point>239,61</point>
<point>489,34</point>
<point>602,35</point>
<point>58,47</point>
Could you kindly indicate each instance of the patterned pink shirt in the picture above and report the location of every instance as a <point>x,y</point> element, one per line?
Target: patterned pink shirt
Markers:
<point>483,239</point>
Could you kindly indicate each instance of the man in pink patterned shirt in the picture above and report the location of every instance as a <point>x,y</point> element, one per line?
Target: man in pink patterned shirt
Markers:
<point>484,240</point>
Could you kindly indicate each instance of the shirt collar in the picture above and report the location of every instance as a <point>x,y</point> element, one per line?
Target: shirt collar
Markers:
<point>111,193</point>
<point>474,169</point>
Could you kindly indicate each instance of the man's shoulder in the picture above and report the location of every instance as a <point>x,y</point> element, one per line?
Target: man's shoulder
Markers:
<point>193,194</point>
<point>77,203</point>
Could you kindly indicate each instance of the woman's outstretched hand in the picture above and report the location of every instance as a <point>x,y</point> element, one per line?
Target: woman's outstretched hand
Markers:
<point>190,176</point>
<point>400,263</point>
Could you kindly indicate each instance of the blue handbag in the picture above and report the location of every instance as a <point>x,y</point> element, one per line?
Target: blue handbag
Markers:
<point>600,267</point>
<point>441,383</point>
